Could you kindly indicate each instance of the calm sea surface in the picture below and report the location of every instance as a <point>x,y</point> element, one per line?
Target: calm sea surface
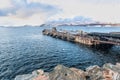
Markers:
<point>25,49</point>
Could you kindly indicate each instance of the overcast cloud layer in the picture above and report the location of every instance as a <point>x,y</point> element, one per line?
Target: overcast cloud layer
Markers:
<point>36,12</point>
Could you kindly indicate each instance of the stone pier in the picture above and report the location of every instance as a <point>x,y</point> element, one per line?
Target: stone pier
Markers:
<point>91,39</point>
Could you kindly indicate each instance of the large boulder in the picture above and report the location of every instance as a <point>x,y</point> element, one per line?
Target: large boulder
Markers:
<point>42,75</point>
<point>111,72</point>
<point>27,76</point>
<point>36,75</point>
<point>94,73</point>
<point>61,72</point>
<point>107,72</point>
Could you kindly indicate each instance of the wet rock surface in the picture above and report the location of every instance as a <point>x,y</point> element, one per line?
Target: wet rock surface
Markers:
<point>60,72</point>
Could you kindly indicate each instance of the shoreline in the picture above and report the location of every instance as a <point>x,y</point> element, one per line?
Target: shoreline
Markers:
<point>107,72</point>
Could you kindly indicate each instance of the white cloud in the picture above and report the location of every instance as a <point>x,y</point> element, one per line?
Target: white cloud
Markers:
<point>24,13</point>
<point>5,4</point>
<point>100,10</point>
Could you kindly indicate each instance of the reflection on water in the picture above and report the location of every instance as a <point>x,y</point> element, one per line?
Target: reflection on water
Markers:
<point>25,49</point>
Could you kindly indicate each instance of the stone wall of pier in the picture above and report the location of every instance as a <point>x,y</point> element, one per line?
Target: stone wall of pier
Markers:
<point>84,40</point>
<point>81,37</point>
<point>64,35</point>
<point>60,35</point>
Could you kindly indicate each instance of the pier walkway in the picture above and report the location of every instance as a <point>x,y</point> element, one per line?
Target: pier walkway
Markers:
<point>107,38</point>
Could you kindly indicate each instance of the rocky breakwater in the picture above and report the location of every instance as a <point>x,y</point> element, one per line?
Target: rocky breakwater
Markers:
<point>60,72</point>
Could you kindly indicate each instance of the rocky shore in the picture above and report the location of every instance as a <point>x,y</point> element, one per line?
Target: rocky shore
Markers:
<point>60,72</point>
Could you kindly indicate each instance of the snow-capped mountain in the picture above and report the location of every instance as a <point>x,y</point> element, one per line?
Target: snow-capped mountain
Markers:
<point>78,20</point>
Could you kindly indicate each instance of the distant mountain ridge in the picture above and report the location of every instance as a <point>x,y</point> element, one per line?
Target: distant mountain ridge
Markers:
<point>78,20</point>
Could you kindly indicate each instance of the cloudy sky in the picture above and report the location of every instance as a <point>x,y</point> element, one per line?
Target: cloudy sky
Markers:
<point>36,12</point>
